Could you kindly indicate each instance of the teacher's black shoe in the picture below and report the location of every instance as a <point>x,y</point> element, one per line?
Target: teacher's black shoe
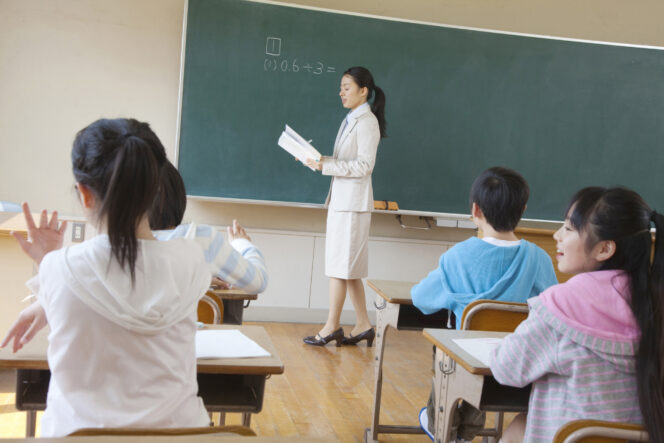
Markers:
<point>369,335</point>
<point>317,340</point>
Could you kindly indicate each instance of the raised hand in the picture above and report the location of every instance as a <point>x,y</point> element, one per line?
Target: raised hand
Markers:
<point>43,239</point>
<point>237,231</point>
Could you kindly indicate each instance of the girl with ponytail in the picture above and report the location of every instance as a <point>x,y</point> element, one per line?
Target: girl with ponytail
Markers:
<point>121,306</point>
<point>592,347</point>
<point>349,203</point>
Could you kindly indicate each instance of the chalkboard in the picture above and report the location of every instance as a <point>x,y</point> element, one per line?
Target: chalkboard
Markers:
<point>566,114</point>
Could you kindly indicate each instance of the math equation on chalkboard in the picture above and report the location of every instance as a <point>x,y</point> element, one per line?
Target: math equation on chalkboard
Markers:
<point>274,62</point>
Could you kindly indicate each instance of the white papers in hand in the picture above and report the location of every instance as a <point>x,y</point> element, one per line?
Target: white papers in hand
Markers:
<point>226,343</point>
<point>480,348</point>
<point>297,146</point>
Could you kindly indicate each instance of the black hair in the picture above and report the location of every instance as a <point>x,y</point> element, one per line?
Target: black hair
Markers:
<point>363,78</point>
<point>621,215</point>
<point>501,194</point>
<point>119,161</point>
<point>171,201</point>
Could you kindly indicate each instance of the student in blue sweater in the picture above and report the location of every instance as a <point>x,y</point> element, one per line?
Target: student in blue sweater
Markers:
<point>497,266</point>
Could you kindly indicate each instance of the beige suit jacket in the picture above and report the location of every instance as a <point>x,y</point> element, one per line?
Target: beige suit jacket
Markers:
<point>352,163</point>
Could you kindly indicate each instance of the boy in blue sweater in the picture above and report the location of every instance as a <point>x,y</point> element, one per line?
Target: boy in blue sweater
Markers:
<point>498,266</point>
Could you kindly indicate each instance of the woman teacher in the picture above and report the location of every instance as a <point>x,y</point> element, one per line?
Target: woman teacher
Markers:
<point>349,204</point>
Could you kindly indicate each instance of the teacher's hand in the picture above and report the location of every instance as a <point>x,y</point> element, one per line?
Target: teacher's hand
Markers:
<point>318,166</point>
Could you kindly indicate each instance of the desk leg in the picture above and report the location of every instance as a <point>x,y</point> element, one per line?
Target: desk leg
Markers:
<point>246,419</point>
<point>386,316</point>
<point>30,423</point>
<point>452,384</point>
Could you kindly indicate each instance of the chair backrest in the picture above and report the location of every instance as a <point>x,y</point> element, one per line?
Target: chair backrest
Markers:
<point>492,315</point>
<point>229,429</point>
<point>597,431</point>
<point>209,311</point>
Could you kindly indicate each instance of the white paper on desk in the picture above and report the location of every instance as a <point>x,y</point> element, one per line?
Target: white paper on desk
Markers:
<point>226,343</point>
<point>480,348</point>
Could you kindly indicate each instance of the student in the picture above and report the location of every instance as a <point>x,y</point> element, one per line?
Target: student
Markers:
<point>121,306</point>
<point>237,262</point>
<point>592,346</point>
<point>498,266</point>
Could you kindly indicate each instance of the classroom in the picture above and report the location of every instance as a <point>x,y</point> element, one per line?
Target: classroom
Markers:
<point>65,63</point>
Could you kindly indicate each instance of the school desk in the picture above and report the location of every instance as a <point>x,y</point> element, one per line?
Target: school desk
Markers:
<point>460,376</point>
<point>234,301</point>
<point>394,308</point>
<point>171,439</point>
<point>225,385</point>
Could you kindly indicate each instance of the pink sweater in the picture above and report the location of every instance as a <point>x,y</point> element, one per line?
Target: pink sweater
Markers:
<point>577,348</point>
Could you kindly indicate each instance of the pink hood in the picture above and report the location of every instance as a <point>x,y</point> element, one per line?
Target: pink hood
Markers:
<point>595,303</point>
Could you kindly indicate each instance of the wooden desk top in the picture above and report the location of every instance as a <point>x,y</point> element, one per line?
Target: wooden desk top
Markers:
<point>443,339</point>
<point>233,294</point>
<point>33,355</point>
<point>393,291</point>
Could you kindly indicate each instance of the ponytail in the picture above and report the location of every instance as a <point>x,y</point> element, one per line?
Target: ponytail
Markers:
<point>378,108</point>
<point>621,215</point>
<point>364,79</point>
<point>648,312</point>
<point>119,161</point>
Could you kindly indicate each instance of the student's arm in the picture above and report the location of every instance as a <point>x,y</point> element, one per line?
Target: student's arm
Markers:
<point>236,261</point>
<point>30,321</point>
<point>368,136</point>
<point>429,296</point>
<point>526,355</point>
<point>546,275</point>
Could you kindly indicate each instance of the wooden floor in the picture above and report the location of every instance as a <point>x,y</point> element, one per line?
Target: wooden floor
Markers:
<point>324,391</point>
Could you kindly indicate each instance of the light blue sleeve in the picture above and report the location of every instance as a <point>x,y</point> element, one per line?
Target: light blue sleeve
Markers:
<point>546,275</point>
<point>429,295</point>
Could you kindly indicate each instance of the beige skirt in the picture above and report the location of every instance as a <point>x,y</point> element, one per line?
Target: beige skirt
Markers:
<point>347,244</point>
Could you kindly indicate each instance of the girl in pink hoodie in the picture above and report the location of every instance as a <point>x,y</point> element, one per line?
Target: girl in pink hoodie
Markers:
<point>591,346</point>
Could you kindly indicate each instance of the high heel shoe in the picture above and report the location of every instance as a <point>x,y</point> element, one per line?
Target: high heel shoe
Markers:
<point>367,335</point>
<point>317,340</point>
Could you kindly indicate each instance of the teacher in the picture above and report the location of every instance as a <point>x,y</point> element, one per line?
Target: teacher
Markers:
<point>349,204</point>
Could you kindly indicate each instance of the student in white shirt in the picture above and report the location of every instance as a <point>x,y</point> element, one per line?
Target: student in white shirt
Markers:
<point>121,306</point>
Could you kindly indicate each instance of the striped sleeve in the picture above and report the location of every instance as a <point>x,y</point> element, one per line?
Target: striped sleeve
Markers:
<point>241,263</point>
<point>526,355</point>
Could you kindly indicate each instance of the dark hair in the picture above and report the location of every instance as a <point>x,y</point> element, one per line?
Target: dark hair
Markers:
<point>363,78</point>
<point>501,194</point>
<point>119,161</point>
<point>171,201</point>
<point>621,215</point>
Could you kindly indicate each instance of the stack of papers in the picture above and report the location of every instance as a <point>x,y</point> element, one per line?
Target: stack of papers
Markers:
<point>480,348</point>
<point>297,146</point>
<point>226,343</point>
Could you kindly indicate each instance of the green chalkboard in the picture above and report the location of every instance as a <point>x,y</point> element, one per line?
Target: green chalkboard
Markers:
<point>565,114</point>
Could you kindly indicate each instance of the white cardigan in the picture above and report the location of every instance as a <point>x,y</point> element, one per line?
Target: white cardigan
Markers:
<point>352,164</point>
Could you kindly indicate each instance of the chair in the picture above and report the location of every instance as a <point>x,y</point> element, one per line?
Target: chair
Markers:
<point>597,431</point>
<point>217,430</point>
<point>209,311</point>
<point>498,316</point>
<point>492,315</point>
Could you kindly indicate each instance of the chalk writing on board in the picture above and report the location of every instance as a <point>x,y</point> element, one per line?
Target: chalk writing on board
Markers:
<point>287,65</point>
<point>273,46</point>
<point>273,64</point>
